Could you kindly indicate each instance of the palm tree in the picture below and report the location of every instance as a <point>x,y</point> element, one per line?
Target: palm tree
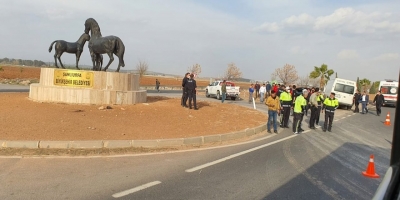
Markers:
<point>322,72</point>
<point>365,83</point>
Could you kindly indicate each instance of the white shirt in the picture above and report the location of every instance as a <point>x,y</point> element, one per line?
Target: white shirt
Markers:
<point>363,97</point>
<point>263,89</point>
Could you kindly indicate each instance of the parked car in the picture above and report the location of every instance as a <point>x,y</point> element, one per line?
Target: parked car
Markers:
<point>214,90</point>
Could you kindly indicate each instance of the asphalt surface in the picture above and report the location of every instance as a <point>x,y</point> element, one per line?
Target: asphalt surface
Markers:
<point>311,165</point>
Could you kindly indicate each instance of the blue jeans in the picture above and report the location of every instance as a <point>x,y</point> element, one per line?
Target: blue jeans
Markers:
<point>272,115</point>
<point>364,107</point>
<point>261,97</point>
<point>223,97</point>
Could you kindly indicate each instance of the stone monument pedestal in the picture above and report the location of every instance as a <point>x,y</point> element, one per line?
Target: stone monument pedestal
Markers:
<point>87,87</point>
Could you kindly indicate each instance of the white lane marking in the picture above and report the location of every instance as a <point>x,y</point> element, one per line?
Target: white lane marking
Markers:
<point>349,115</point>
<point>237,154</point>
<point>130,191</point>
<point>343,117</point>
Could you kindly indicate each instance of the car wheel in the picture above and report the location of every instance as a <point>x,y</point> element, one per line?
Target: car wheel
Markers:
<point>207,95</point>
<point>233,98</point>
<point>218,96</point>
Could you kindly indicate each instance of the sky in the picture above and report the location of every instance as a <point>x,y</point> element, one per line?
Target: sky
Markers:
<point>355,38</point>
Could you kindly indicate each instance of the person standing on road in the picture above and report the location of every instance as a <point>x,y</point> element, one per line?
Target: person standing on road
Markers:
<point>356,100</point>
<point>223,91</point>
<point>379,101</point>
<point>308,101</point>
<point>263,90</point>
<point>286,102</point>
<point>157,85</point>
<point>274,107</point>
<point>257,88</point>
<point>268,89</point>
<point>364,102</point>
<point>184,95</point>
<point>314,108</point>
<point>299,109</point>
<point>251,91</point>
<point>191,91</point>
<point>330,105</point>
<point>320,100</point>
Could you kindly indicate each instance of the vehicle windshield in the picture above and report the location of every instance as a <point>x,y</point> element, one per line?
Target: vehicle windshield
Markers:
<point>389,90</point>
<point>348,89</point>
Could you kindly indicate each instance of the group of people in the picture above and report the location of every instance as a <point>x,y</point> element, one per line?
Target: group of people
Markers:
<point>189,91</point>
<point>363,98</point>
<point>284,100</point>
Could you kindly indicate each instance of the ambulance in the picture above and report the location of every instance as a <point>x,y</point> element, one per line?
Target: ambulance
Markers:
<point>389,89</point>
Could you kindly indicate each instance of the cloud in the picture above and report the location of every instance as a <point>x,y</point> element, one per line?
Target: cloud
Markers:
<point>343,21</point>
<point>347,54</point>
<point>387,57</point>
<point>267,28</point>
<point>301,20</point>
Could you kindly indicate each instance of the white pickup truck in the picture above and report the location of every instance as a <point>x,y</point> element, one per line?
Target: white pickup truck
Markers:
<point>214,89</point>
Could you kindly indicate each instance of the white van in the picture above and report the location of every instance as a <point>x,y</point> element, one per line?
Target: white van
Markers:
<point>344,90</point>
<point>389,90</point>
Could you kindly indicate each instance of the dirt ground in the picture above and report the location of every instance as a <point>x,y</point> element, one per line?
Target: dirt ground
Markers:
<point>159,118</point>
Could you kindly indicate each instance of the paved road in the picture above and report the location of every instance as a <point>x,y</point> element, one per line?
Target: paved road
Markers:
<point>312,165</point>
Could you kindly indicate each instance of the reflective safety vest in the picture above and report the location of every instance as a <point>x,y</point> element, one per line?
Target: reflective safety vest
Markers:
<point>300,103</point>
<point>286,99</point>
<point>331,104</point>
<point>320,99</point>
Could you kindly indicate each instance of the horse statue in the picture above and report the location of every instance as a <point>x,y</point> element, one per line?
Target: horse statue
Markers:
<point>103,45</point>
<point>69,47</point>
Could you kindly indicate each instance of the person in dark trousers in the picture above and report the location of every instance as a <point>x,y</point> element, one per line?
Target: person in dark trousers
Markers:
<point>330,105</point>
<point>257,89</point>
<point>356,98</point>
<point>157,85</point>
<point>364,100</point>
<point>268,87</point>
<point>379,101</point>
<point>320,101</point>
<point>223,91</point>
<point>298,110</point>
<point>184,95</point>
<point>190,87</point>
<point>286,102</point>
<point>308,101</point>
<point>314,108</point>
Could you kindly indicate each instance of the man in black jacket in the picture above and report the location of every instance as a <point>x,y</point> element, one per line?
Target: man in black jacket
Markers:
<point>379,101</point>
<point>356,98</point>
<point>190,88</point>
<point>184,95</point>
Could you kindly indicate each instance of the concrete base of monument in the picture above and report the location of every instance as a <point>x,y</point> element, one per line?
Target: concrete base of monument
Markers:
<point>87,87</point>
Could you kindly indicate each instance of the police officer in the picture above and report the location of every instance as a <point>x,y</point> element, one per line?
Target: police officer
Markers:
<point>320,100</point>
<point>190,87</point>
<point>286,104</point>
<point>184,95</point>
<point>298,111</point>
<point>330,105</point>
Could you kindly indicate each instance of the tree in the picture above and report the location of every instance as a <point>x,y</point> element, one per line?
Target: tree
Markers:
<point>374,87</point>
<point>365,83</point>
<point>358,84</point>
<point>287,74</point>
<point>232,72</point>
<point>195,69</point>
<point>142,68</point>
<point>304,81</point>
<point>323,73</point>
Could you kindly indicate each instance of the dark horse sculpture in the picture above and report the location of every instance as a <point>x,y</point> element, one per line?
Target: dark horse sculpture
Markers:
<point>103,45</point>
<point>69,47</point>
